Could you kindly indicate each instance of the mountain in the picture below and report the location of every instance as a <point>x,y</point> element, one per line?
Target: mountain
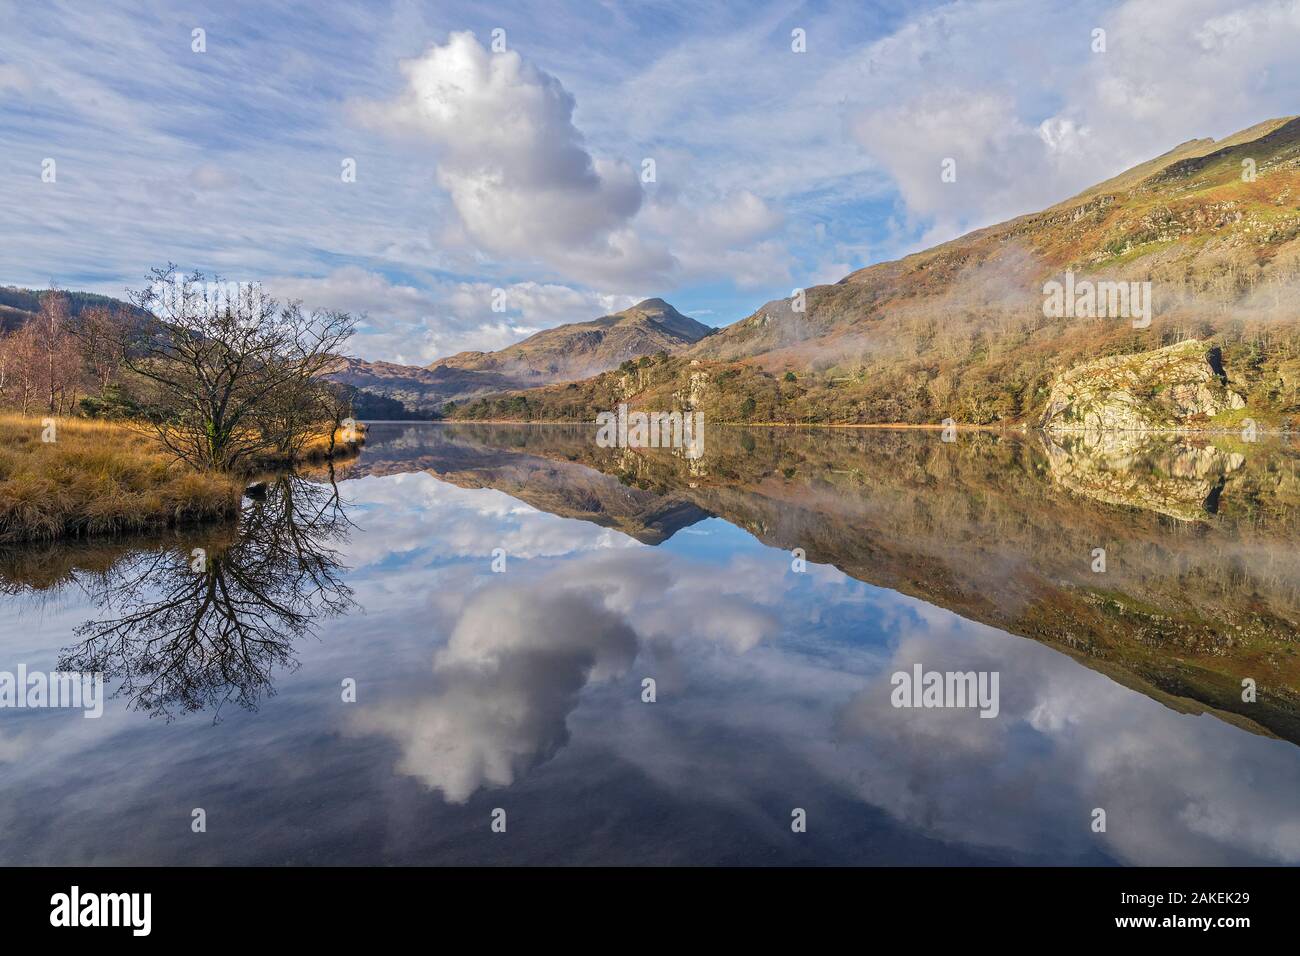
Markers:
<point>967,330</point>
<point>582,349</point>
<point>572,351</point>
<point>417,389</point>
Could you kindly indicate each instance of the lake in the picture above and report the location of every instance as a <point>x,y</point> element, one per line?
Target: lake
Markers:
<point>494,644</point>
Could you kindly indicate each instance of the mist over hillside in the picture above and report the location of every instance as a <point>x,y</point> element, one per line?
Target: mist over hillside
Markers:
<point>1208,232</point>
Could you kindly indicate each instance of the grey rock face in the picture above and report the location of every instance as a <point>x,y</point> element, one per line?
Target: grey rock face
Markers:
<point>1176,387</point>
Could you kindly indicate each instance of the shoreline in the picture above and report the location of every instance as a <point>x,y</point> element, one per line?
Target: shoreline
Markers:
<point>1022,429</point>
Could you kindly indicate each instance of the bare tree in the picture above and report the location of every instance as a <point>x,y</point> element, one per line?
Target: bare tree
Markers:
<point>234,370</point>
<point>59,365</point>
<point>334,400</point>
<point>9,360</point>
<point>20,378</point>
<point>102,332</point>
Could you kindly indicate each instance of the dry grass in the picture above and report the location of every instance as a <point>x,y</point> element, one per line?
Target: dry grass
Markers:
<point>98,478</point>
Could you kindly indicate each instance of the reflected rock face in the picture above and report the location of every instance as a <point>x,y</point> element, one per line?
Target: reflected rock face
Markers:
<point>1173,387</point>
<point>1180,479</point>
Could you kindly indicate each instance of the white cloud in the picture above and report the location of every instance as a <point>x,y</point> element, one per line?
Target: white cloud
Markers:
<point>509,676</point>
<point>516,167</point>
<point>525,187</point>
<point>994,156</point>
<point>1171,72</point>
<point>730,236</point>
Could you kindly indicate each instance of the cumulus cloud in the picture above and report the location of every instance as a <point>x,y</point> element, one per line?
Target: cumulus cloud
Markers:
<point>515,165</point>
<point>525,186</point>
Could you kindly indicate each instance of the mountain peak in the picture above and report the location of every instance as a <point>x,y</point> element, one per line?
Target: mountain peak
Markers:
<point>578,349</point>
<point>564,353</point>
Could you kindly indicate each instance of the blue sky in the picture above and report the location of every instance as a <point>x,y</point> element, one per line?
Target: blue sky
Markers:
<point>523,168</point>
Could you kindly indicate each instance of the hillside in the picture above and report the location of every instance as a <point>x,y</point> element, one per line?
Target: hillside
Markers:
<point>417,389</point>
<point>17,305</point>
<point>572,351</point>
<point>960,331</point>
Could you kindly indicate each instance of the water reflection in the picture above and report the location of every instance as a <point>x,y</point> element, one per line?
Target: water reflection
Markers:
<point>505,684</point>
<point>211,617</point>
<point>523,689</point>
<point>1000,529</point>
<point>1175,476</point>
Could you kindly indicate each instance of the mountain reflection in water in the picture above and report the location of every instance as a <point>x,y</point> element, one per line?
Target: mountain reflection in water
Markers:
<point>523,689</point>
<point>999,529</point>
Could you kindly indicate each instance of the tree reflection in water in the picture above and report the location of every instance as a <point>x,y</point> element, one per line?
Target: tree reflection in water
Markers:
<point>188,629</point>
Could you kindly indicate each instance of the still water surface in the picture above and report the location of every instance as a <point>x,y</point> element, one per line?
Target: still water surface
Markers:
<point>522,690</point>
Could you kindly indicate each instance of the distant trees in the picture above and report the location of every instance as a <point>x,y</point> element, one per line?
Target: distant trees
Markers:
<point>222,373</point>
<point>100,333</point>
<point>40,367</point>
<point>236,374</point>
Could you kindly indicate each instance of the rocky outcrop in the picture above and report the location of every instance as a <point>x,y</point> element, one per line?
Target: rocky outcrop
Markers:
<point>1176,387</point>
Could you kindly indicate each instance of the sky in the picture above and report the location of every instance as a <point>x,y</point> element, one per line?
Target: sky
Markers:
<point>461,175</point>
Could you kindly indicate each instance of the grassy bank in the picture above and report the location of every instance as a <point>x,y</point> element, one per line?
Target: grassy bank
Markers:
<point>98,478</point>
<point>101,477</point>
<point>105,478</point>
